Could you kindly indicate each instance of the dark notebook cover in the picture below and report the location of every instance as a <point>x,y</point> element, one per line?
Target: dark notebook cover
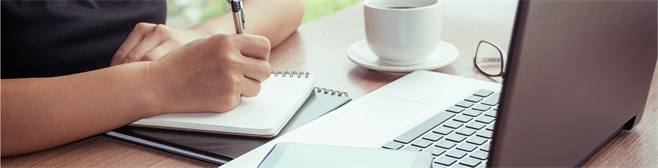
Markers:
<point>220,148</point>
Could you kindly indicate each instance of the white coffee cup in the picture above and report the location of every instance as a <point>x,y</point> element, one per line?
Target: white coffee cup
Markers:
<point>402,32</point>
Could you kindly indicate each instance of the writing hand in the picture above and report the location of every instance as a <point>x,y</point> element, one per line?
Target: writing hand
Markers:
<point>211,74</point>
<point>148,42</point>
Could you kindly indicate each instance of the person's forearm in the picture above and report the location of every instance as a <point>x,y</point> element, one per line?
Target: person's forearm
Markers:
<point>40,113</point>
<point>274,19</point>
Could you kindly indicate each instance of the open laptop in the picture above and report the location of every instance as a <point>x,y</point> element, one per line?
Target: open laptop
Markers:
<point>578,72</point>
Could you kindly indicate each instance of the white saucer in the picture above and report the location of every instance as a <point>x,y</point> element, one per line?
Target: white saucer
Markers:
<point>361,54</point>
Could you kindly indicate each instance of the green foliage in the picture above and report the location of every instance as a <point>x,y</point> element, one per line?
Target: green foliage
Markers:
<point>318,8</point>
<point>195,11</point>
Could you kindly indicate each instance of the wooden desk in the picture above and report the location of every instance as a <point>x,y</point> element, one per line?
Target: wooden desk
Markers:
<point>320,47</point>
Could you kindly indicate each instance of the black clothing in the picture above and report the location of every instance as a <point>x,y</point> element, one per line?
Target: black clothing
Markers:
<point>54,38</point>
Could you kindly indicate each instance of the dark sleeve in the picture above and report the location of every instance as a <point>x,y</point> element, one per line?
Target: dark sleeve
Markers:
<point>54,38</point>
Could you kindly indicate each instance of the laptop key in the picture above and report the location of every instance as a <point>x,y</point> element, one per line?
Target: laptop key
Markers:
<point>442,130</point>
<point>479,154</point>
<point>490,127</point>
<point>423,127</point>
<point>460,166</point>
<point>485,119</point>
<point>455,137</point>
<point>472,113</point>
<point>485,134</point>
<point>490,113</point>
<point>492,100</point>
<point>466,131</point>
<point>436,151</point>
<point>423,143</point>
<point>483,93</point>
<point>436,165</point>
<point>470,162</point>
<point>464,104</point>
<point>446,161</point>
<point>476,140</point>
<point>476,125</point>
<point>452,124</point>
<point>456,154</point>
<point>485,147</point>
<point>467,147</point>
<point>433,136</point>
<point>393,145</point>
<point>462,118</point>
<point>455,109</point>
<point>445,144</point>
<point>412,148</point>
<point>481,107</point>
<point>473,98</point>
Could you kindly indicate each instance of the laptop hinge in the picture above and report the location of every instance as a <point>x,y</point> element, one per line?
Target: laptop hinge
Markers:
<point>629,124</point>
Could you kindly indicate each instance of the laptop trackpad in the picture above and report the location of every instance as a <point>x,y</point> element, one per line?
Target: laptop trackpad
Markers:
<point>376,115</point>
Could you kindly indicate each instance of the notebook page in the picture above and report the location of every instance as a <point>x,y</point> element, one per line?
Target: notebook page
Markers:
<point>278,99</point>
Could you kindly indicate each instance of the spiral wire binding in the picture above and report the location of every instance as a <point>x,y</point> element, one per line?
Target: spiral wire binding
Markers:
<point>299,74</point>
<point>329,91</point>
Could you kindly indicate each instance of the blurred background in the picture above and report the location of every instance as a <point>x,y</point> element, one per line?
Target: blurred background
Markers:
<point>182,14</point>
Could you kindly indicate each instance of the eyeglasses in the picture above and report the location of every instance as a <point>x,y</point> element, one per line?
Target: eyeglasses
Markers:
<point>489,59</point>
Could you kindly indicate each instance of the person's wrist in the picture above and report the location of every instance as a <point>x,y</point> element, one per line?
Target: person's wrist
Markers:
<point>156,102</point>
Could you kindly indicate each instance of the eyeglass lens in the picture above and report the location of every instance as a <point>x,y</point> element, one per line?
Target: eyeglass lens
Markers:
<point>489,59</point>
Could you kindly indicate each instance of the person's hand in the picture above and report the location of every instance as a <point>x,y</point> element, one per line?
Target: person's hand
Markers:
<point>210,74</point>
<point>148,42</point>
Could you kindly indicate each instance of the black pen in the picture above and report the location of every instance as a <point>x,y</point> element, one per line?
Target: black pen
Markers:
<point>238,15</point>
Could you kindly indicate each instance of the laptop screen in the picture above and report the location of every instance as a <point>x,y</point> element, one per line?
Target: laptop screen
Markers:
<point>578,72</point>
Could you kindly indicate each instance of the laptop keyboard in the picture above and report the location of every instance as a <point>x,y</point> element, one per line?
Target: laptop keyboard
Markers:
<point>456,137</point>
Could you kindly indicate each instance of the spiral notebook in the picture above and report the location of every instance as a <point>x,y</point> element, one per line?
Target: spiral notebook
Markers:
<point>263,115</point>
<point>221,148</point>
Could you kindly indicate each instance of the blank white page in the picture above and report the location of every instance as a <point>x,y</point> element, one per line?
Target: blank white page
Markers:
<point>263,115</point>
